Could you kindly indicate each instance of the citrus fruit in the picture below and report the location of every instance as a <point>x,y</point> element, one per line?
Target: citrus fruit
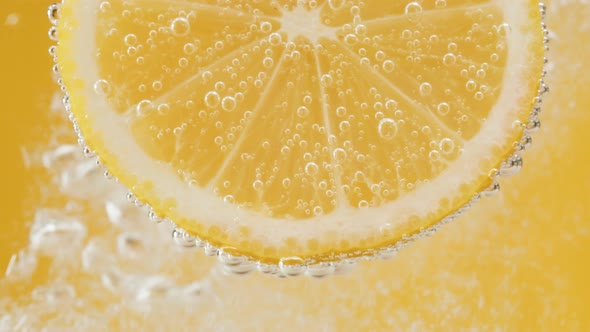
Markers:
<point>297,132</point>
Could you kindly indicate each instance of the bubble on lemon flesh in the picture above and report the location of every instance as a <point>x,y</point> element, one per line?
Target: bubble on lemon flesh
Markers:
<point>305,129</point>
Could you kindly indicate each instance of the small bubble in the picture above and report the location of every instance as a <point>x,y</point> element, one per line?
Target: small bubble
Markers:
<point>351,39</point>
<point>362,204</point>
<point>266,27</point>
<point>478,96</point>
<point>212,99</point>
<point>228,104</point>
<point>339,154</point>
<point>320,270</point>
<point>360,30</point>
<point>257,185</point>
<point>449,59</point>
<point>425,89</point>
<point>267,62</point>
<point>286,183</point>
<point>102,88</point>
<point>189,48</point>
<point>163,109</point>
<point>157,85</point>
<point>344,126</point>
<point>285,150</point>
<point>388,66</point>
<point>53,33</point>
<point>144,107</point>
<point>275,39</point>
<point>387,128</point>
<point>443,108</point>
<point>446,146</point>
<point>434,155</point>
<point>440,3</point>
<point>311,169</point>
<point>182,62</point>
<point>337,4</point>
<point>302,112</point>
<point>53,13</point>
<point>180,27</point>
<point>292,266</point>
<point>503,29</point>
<point>318,211</point>
<point>130,40</point>
<point>413,11</point>
<point>183,238</point>
<point>229,199</point>
<point>326,80</point>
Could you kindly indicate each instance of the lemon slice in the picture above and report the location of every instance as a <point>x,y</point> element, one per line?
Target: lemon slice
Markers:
<point>303,131</point>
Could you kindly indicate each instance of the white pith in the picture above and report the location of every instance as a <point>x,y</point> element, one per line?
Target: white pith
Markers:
<point>208,209</point>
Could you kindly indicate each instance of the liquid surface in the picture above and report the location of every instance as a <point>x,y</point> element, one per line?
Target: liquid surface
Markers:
<point>515,262</point>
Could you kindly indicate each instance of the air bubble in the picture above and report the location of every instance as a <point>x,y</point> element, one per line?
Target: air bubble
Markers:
<point>351,39</point>
<point>104,6</point>
<point>266,27</point>
<point>388,66</point>
<point>157,85</point>
<point>130,40</point>
<point>53,13</point>
<point>102,88</point>
<point>326,80</point>
<point>302,112</point>
<point>267,62</point>
<point>434,155</point>
<point>337,4</point>
<point>180,27</point>
<point>212,99</point>
<point>339,155</point>
<point>311,169</point>
<point>318,211</point>
<point>286,183</point>
<point>478,96</point>
<point>446,146</point>
<point>387,128</point>
<point>163,109</point>
<point>275,39</point>
<point>449,59</point>
<point>182,238</point>
<point>413,11</point>
<point>503,29</point>
<point>443,108</point>
<point>144,107</point>
<point>320,270</point>
<point>292,266</point>
<point>440,3</point>
<point>425,89</point>
<point>228,104</point>
<point>189,48</point>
